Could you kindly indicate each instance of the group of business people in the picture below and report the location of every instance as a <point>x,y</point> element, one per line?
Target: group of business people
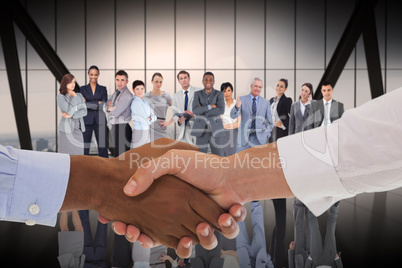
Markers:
<point>211,119</point>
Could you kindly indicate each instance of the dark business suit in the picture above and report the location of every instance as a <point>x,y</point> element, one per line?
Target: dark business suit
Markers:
<point>208,125</point>
<point>277,249</point>
<point>95,121</point>
<point>316,116</point>
<point>283,109</point>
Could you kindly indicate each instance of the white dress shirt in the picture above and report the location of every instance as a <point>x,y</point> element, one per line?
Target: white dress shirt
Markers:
<point>328,112</point>
<point>349,157</point>
<point>226,119</point>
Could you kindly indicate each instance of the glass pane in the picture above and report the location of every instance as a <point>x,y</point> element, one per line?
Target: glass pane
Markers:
<point>249,34</point>
<point>394,80</point>
<point>130,34</point>
<point>310,34</point>
<point>8,130</point>
<point>100,34</point>
<point>345,89</point>
<point>46,24</point>
<point>338,16</point>
<point>219,33</point>
<point>280,34</point>
<point>42,106</point>
<point>363,93</point>
<point>71,34</point>
<point>361,62</point>
<point>189,34</point>
<point>394,42</point>
<point>160,34</point>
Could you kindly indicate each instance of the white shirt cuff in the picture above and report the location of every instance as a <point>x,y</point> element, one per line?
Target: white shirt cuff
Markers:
<point>309,169</point>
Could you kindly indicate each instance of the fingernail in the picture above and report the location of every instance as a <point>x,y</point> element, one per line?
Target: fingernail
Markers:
<point>237,214</point>
<point>129,236</point>
<point>205,232</point>
<point>188,245</point>
<point>130,187</point>
<point>227,223</point>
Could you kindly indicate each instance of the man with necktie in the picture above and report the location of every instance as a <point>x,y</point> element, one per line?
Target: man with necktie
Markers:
<point>182,108</point>
<point>256,120</point>
<point>325,112</point>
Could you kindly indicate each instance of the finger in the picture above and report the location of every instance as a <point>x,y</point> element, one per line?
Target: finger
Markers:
<point>146,241</point>
<point>206,236</point>
<point>228,225</point>
<point>103,219</point>
<point>148,172</point>
<point>184,247</point>
<point>119,227</point>
<point>132,233</point>
<point>238,212</point>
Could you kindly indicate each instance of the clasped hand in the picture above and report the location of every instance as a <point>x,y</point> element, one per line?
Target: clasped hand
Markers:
<point>171,211</point>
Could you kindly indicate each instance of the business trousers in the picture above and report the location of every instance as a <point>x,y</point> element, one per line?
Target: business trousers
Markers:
<point>247,252</point>
<point>301,229</point>
<point>95,249</point>
<point>187,137</point>
<point>101,135</point>
<point>121,138</point>
<point>214,142</point>
<point>208,258</point>
<point>252,141</point>
<point>277,249</point>
<point>323,255</point>
<point>229,142</point>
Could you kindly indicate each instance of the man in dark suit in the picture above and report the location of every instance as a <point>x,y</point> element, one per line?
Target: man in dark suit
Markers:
<point>324,112</point>
<point>208,105</point>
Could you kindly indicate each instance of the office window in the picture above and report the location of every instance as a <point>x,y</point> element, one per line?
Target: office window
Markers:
<point>130,34</point>
<point>219,34</point>
<point>249,34</point>
<point>189,34</point>
<point>160,34</point>
<point>100,34</point>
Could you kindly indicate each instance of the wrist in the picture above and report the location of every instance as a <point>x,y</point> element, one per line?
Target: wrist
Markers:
<point>88,183</point>
<point>257,174</point>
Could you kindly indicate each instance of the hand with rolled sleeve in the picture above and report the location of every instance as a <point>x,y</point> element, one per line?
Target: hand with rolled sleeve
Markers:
<point>346,162</point>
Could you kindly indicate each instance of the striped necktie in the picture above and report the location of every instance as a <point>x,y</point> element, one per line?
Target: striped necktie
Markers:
<point>254,111</point>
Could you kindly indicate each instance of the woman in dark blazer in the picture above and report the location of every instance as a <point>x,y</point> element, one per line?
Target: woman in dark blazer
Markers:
<point>95,95</point>
<point>280,109</point>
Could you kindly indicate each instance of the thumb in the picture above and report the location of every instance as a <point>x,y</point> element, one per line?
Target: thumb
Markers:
<point>148,172</point>
<point>140,181</point>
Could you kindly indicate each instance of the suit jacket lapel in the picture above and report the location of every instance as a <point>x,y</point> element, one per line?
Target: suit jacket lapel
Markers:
<point>250,104</point>
<point>334,110</point>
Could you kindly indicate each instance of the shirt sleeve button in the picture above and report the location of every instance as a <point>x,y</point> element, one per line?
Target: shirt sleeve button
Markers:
<point>34,209</point>
<point>30,222</point>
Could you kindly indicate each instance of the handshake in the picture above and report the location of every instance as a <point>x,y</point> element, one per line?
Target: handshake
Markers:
<point>153,208</point>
